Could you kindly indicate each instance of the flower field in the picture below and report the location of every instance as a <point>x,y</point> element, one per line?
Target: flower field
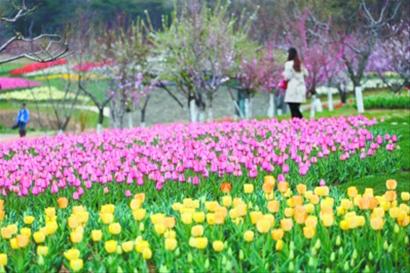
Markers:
<point>268,226</point>
<point>304,150</point>
<point>15,83</point>
<point>250,196</point>
<point>39,94</point>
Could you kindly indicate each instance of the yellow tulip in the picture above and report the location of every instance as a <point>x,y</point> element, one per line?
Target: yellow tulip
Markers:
<point>76,236</point>
<point>283,186</point>
<point>176,206</point>
<point>277,234</point>
<point>50,212</point>
<point>39,237</point>
<point>352,192</point>
<point>135,204</point>
<point>327,219</point>
<point>106,217</point>
<point>310,208</point>
<point>147,253</point>
<point>227,201</point>
<point>140,245</point>
<point>171,234</point>
<point>96,235</point>
<point>108,208</point>
<point>22,240</point>
<point>197,231</point>
<point>248,188</point>
<point>311,221</point>
<point>73,221</point>
<point>28,219</point>
<point>322,191</point>
<point>51,228</point>
<point>301,189</point>
<point>377,223</point>
<point>405,196</point>
<point>286,224</point>
<point>127,246</point>
<point>309,232</point>
<point>210,218</point>
<point>114,228</point>
<point>13,243</point>
<point>201,242</point>
<point>263,225</point>
<point>255,216</point>
<point>273,206</point>
<point>26,231</point>
<point>6,233</point>
<point>279,245</point>
<point>218,246</point>
<point>160,229</point>
<point>248,236</point>
<point>391,184</point>
<point>139,214</point>
<point>368,192</point>
<point>76,264</point>
<point>3,259</point>
<point>42,250</point>
<point>170,244</point>
<point>199,217</point>
<point>289,212</point>
<point>186,218</point>
<point>111,246</point>
<point>390,196</point>
<point>72,254</point>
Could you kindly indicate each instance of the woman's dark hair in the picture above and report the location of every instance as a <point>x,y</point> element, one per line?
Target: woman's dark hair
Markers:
<point>293,56</point>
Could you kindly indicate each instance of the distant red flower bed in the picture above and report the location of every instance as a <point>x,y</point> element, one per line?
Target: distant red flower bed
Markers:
<point>36,67</point>
<point>88,66</point>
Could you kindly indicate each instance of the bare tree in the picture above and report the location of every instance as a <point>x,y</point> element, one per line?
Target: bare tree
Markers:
<point>41,48</point>
<point>358,49</point>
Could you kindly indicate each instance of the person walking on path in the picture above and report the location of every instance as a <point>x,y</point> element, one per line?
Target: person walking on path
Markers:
<point>294,75</point>
<point>23,117</point>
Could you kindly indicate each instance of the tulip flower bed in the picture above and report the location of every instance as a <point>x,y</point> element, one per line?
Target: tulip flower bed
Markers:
<point>265,226</point>
<point>40,94</point>
<point>334,149</point>
<point>32,67</point>
<point>16,83</point>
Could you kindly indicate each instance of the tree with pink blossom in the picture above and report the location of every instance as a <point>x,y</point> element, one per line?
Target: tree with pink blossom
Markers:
<point>256,74</point>
<point>131,71</point>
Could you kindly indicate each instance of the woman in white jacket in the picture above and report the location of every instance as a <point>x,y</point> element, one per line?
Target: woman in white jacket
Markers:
<point>295,74</point>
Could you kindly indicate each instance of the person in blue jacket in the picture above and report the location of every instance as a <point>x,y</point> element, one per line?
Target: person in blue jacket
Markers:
<point>23,117</point>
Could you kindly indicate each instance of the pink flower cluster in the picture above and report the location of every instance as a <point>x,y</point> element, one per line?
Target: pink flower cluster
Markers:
<point>16,83</point>
<point>181,153</point>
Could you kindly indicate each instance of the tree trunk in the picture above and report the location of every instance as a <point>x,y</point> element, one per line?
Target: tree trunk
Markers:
<point>313,107</point>
<point>193,112</point>
<point>248,107</point>
<point>271,109</point>
<point>130,120</point>
<point>359,99</point>
<point>242,103</point>
<point>342,93</point>
<point>210,109</point>
<point>330,100</point>
<point>144,111</point>
<point>100,119</point>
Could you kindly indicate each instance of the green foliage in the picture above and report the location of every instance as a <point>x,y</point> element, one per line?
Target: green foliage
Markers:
<point>387,102</point>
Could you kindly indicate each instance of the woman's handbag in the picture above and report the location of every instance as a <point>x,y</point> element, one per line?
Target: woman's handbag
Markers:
<point>283,84</point>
